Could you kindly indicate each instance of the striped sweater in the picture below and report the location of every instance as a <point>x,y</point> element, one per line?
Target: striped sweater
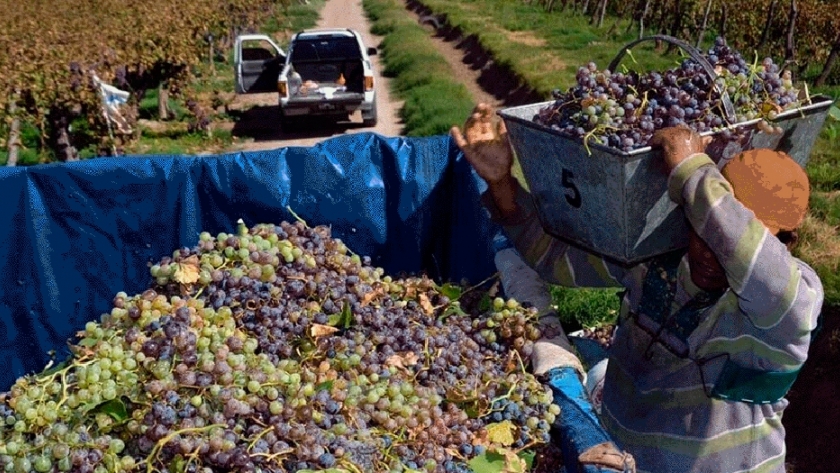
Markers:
<point>656,404</point>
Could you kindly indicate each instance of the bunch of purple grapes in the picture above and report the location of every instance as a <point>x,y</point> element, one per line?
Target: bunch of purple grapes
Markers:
<point>624,110</point>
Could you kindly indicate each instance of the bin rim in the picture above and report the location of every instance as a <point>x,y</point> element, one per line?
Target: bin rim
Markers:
<point>818,102</point>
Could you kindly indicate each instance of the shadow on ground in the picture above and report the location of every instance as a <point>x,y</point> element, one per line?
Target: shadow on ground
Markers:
<point>262,123</point>
<point>813,418</point>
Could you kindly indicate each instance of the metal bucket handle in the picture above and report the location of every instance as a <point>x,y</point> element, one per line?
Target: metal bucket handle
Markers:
<point>728,108</point>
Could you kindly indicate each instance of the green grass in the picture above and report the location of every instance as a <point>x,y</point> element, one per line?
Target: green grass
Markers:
<point>148,107</point>
<point>294,17</point>
<point>445,102</point>
<point>824,165</point>
<point>410,60</point>
<point>590,308</point>
<point>212,80</point>
<point>434,101</point>
<point>545,50</point>
<point>26,157</point>
<point>825,206</point>
<point>181,143</point>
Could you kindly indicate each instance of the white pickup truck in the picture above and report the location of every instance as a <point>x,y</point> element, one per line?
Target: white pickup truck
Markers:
<point>326,72</point>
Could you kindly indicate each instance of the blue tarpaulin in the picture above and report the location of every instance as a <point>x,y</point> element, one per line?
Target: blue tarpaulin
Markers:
<point>75,234</point>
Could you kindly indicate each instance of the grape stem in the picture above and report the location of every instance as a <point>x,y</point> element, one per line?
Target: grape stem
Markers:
<point>63,374</point>
<point>532,443</point>
<point>271,456</point>
<point>641,108</point>
<point>296,216</point>
<point>64,387</point>
<point>192,457</point>
<point>160,443</point>
<point>519,357</point>
<point>502,397</point>
<point>597,130</point>
<point>494,276</point>
<point>350,465</point>
<point>807,99</point>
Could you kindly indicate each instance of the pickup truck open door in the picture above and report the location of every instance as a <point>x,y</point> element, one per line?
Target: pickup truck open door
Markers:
<point>257,63</point>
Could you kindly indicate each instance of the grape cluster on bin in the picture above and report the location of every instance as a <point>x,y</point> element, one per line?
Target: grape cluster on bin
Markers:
<point>624,109</point>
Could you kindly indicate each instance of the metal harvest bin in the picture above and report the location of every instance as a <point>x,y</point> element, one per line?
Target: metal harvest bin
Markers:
<point>616,203</point>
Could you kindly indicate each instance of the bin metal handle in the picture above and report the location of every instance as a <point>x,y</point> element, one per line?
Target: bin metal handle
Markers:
<point>728,108</point>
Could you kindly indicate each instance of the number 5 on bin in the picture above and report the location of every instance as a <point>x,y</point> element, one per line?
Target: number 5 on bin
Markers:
<point>574,198</point>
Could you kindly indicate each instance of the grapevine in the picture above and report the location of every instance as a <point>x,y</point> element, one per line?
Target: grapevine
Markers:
<point>52,50</point>
<point>803,32</point>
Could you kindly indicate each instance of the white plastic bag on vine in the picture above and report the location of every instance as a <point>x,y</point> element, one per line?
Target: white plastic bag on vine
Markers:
<point>112,99</point>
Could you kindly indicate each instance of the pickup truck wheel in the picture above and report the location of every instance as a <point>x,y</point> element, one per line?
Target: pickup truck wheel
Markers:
<point>370,118</point>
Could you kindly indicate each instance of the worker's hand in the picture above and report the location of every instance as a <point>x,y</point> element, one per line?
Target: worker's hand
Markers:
<point>485,145</point>
<point>678,143</point>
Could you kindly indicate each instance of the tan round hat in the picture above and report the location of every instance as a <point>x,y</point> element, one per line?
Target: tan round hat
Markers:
<point>772,185</point>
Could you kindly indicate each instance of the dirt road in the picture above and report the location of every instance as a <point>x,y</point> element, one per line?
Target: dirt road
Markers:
<point>258,125</point>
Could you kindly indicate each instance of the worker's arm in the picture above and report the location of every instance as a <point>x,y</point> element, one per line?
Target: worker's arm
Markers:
<point>486,147</point>
<point>779,296</point>
<point>583,437</point>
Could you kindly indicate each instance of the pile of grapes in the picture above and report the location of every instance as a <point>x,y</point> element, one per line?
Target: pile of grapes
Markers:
<point>276,349</point>
<point>623,110</point>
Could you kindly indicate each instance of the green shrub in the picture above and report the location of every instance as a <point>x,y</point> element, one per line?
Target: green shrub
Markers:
<point>433,108</point>
<point>588,307</point>
<point>434,101</point>
<point>410,63</point>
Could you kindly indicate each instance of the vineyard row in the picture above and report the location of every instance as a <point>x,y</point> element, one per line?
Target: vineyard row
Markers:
<point>55,50</point>
<point>801,33</point>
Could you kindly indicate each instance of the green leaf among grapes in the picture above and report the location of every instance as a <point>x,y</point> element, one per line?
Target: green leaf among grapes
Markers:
<point>346,316</point>
<point>87,342</point>
<point>179,465</point>
<point>487,462</point>
<point>114,408</point>
<point>343,319</point>
<point>502,460</point>
<point>55,369</point>
<point>486,303</point>
<point>501,433</point>
<point>325,386</point>
<point>470,402</point>
<point>472,410</point>
<point>451,310</point>
<point>528,456</point>
<point>451,291</point>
